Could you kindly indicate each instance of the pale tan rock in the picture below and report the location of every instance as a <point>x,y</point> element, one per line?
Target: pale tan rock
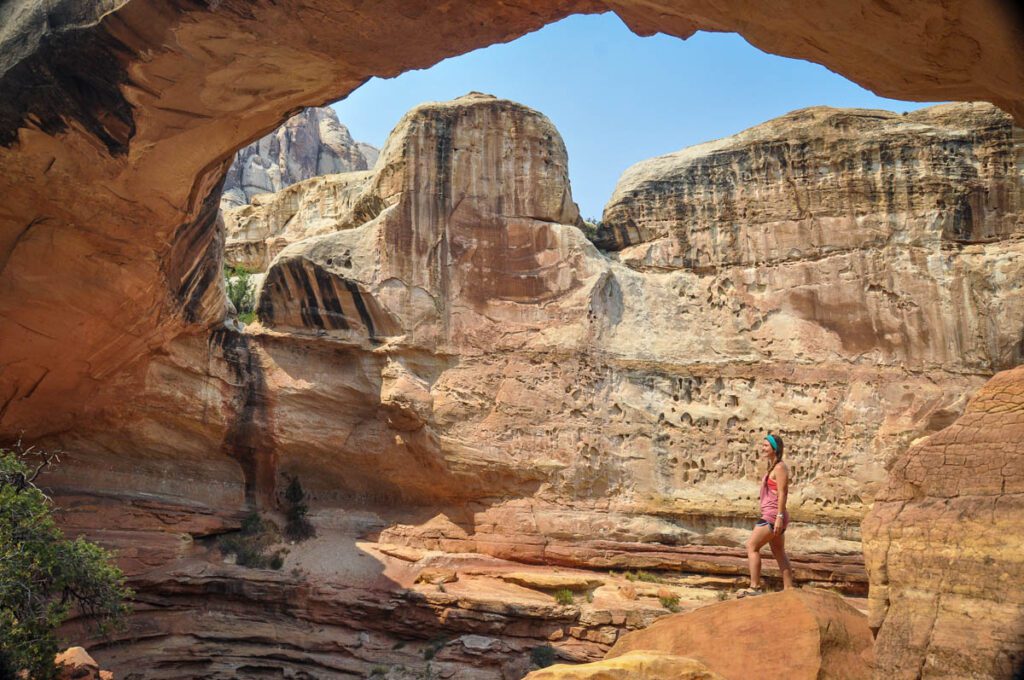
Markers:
<point>553,580</point>
<point>74,663</point>
<point>309,144</point>
<point>437,576</point>
<point>257,232</point>
<point>646,665</point>
<point>823,637</point>
<point>943,545</point>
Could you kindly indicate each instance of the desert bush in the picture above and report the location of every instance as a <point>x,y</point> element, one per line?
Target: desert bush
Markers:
<point>239,286</point>
<point>297,527</point>
<point>44,577</point>
<point>564,596</point>
<point>251,544</point>
<point>641,575</point>
<point>670,602</point>
<point>542,656</point>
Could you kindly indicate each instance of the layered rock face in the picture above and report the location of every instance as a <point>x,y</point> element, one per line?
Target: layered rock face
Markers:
<point>310,144</point>
<point>822,182</point>
<point>862,342</point>
<point>183,86</point>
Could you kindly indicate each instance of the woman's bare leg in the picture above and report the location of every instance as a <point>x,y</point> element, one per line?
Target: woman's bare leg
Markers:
<point>778,546</point>
<point>758,538</point>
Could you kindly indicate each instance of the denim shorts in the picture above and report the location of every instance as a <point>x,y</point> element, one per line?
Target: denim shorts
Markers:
<point>765,523</point>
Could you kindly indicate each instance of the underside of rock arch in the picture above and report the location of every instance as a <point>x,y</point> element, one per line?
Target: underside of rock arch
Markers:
<point>117,124</point>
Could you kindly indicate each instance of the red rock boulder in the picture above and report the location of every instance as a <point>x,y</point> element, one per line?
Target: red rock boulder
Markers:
<point>795,634</point>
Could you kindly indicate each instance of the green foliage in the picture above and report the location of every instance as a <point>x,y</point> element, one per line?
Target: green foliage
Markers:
<point>564,596</point>
<point>297,527</point>
<point>239,286</point>
<point>670,602</point>
<point>44,577</point>
<point>641,575</point>
<point>434,646</point>
<point>251,545</point>
<point>542,656</point>
<point>591,227</point>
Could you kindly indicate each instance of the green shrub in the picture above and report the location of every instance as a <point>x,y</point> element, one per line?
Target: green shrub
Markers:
<point>297,527</point>
<point>251,544</point>
<point>542,656</point>
<point>239,286</point>
<point>434,646</point>
<point>670,602</point>
<point>564,596</point>
<point>641,575</point>
<point>44,577</point>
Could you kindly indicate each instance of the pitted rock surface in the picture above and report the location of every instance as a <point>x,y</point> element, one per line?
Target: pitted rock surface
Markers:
<point>820,182</point>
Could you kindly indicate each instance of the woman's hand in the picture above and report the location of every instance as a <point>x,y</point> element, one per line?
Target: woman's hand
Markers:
<point>777,529</point>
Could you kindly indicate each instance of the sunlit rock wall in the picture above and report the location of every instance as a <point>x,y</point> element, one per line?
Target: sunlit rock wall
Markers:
<point>534,357</point>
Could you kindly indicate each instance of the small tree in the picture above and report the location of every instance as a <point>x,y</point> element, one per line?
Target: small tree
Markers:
<point>297,527</point>
<point>44,576</point>
<point>240,290</point>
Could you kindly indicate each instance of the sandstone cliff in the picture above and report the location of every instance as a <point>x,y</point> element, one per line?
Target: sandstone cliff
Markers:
<point>311,143</point>
<point>862,341</point>
<point>822,182</point>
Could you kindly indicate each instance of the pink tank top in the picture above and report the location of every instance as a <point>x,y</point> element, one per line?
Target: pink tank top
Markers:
<point>770,500</point>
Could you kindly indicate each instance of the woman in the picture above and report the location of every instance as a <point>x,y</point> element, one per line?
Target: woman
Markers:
<point>771,528</point>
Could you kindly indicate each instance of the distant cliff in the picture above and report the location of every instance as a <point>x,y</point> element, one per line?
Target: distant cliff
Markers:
<point>311,143</point>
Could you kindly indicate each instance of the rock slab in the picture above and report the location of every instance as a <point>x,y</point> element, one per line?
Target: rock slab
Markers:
<point>944,546</point>
<point>631,666</point>
<point>799,634</point>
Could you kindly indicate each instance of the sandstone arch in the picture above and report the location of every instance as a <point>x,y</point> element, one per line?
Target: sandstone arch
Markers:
<point>126,114</point>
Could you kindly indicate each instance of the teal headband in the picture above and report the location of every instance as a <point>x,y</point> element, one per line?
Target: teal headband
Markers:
<point>774,444</point>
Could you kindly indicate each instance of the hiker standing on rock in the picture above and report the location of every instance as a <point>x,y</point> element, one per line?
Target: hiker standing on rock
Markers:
<point>771,528</point>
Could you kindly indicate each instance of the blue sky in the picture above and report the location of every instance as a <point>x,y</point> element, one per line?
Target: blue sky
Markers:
<point>615,97</point>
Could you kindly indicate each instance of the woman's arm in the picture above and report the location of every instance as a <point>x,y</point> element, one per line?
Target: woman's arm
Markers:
<point>782,480</point>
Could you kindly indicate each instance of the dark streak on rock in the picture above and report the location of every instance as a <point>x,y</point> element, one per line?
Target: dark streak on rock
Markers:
<point>195,261</point>
<point>249,437</point>
<point>364,313</point>
<point>309,307</point>
<point>74,75</point>
<point>334,312</point>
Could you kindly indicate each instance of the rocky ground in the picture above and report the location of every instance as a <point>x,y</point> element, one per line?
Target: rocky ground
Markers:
<point>346,605</point>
